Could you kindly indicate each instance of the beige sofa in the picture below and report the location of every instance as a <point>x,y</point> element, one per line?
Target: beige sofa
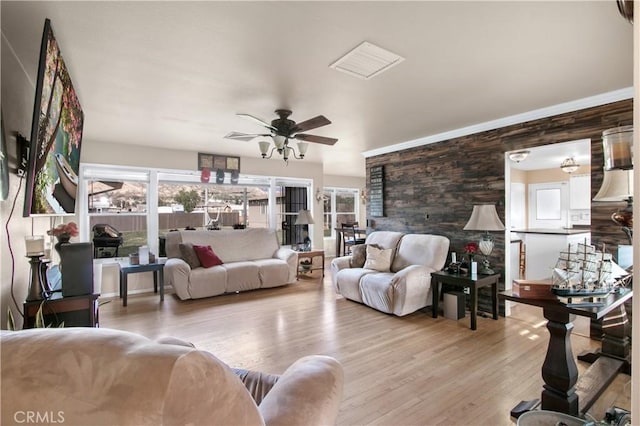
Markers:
<point>91,376</point>
<point>406,287</point>
<point>252,259</point>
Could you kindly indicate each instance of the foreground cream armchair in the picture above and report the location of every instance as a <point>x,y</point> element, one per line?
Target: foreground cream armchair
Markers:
<point>90,376</point>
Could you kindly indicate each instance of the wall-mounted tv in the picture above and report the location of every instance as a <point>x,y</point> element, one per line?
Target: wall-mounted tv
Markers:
<point>56,136</point>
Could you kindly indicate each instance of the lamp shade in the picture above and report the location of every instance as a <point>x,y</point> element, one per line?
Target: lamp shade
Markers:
<point>617,144</point>
<point>484,217</point>
<point>617,185</point>
<point>264,147</point>
<point>302,148</point>
<point>279,141</point>
<point>304,218</point>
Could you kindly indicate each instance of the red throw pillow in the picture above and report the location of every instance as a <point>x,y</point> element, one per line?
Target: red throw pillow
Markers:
<point>206,256</point>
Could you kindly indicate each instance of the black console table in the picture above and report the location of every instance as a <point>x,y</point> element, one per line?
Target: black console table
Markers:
<point>73,311</point>
<point>563,391</point>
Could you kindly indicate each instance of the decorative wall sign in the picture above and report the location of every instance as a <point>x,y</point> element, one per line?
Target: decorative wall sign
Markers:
<point>376,191</point>
<point>218,162</point>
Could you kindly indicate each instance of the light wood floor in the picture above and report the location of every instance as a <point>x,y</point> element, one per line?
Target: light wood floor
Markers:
<point>413,370</point>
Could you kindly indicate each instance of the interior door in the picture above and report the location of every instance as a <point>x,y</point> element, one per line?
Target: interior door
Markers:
<point>548,205</point>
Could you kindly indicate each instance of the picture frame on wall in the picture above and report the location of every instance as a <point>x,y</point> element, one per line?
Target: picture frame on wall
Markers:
<point>205,161</point>
<point>215,162</point>
<point>233,163</point>
<point>219,162</point>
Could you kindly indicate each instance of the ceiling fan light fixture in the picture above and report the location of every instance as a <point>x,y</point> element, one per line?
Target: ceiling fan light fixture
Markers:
<point>264,147</point>
<point>286,153</point>
<point>282,131</point>
<point>279,141</point>
<point>302,148</point>
<point>569,165</point>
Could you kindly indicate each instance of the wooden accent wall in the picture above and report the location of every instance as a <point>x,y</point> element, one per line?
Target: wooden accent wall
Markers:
<point>431,189</point>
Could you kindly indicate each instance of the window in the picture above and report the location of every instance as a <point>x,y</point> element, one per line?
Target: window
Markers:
<point>340,206</point>
<point>144,204</point>
<point>292,195</point>
<point>118,198</point>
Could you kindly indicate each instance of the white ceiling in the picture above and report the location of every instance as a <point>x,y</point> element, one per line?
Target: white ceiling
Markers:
<point>174,74</point>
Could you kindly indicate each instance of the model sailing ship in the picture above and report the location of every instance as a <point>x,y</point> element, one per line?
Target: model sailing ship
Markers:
<point>581,271</point>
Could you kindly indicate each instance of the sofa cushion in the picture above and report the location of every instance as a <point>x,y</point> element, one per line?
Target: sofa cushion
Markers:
<point>272,272</point>
<point>206,256</point>
<point>230,245</point>
<point>205,282</point>
<point>359,255</point>
<point>385,239</point>
<point>377,291</point>
<point>242,276</point>
<point>377,259</point>
<point>421,249</point>
<point>188,254</point>
<point>348,282</point>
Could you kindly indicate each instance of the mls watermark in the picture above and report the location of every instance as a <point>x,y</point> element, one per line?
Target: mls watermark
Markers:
<point>35,417</point>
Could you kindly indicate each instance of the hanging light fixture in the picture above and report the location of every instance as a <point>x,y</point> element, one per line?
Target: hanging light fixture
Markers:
<point>281,145</point>
<point>519,156</point>
<point>569,165</point>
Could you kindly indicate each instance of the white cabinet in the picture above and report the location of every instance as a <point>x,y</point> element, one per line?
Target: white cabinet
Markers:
<point>580,192</point>
<point>542,251</point>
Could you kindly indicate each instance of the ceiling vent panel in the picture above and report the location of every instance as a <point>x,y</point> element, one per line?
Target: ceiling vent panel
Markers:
<point>366,61</point>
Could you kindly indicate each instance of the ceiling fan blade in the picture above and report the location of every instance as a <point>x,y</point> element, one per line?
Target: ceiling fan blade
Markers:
<point>242,136</point>
<point>316,139</point>
<point>257,120</point>
<point>312,123</point>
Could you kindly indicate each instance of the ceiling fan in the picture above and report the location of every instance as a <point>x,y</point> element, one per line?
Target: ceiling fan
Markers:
<point>282,130</point>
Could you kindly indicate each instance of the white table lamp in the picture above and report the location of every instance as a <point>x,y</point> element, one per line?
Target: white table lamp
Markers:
<point>485,218</point>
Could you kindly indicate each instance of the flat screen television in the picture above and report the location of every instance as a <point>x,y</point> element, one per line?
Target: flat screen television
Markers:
<point>56,136</point>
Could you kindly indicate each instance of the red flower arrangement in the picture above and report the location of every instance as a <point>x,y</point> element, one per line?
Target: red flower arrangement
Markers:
<point>471,248</point>
<point>65,229</point>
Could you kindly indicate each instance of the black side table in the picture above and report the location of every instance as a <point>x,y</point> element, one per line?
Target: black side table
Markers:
<point>158,276</point>
<point>463,281</point>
